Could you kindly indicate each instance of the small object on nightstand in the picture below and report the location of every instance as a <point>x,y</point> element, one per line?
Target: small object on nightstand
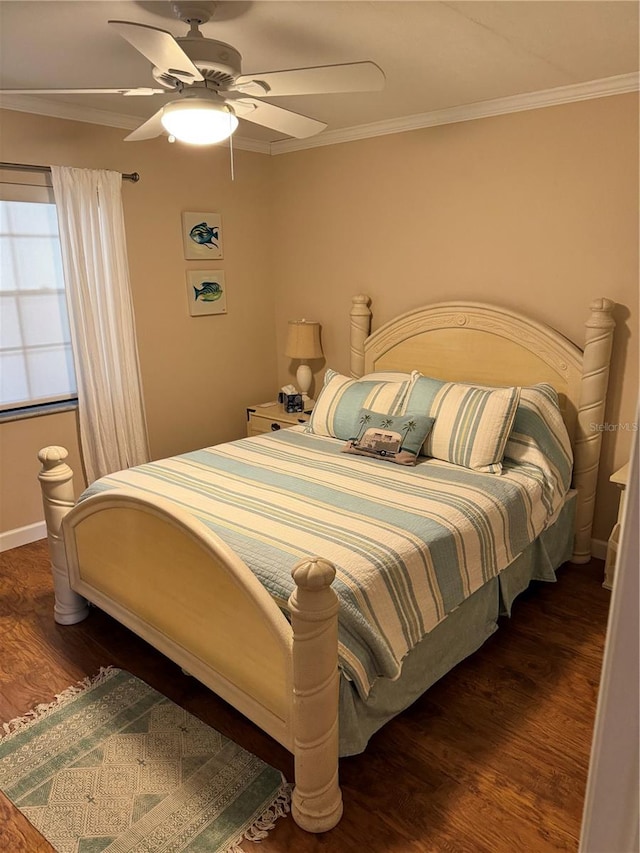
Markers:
<point>263,418</point>
<point>293,403</point>
<point>620,478</point>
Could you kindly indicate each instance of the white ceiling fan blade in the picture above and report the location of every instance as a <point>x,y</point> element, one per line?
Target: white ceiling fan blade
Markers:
<point>139,90</point>
<point>350,77</point>
<point>160,48</point>
<point>286,121</point>
<point>149,130</point>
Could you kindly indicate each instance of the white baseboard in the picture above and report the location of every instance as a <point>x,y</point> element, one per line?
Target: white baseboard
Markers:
<point>23,535</point>
<point>598,549</point>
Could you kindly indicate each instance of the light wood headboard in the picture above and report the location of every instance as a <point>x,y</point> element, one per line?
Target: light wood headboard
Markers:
<point>488,345</point>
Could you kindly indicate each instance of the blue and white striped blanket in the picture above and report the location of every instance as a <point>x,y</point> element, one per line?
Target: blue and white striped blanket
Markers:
<point>409,544</point>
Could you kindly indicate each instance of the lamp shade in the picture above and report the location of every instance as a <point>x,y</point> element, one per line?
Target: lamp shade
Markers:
<point>198,121</point>
<point>303,340</point>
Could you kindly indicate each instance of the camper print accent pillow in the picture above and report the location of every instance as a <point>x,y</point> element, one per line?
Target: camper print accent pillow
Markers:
<point>392,438</point>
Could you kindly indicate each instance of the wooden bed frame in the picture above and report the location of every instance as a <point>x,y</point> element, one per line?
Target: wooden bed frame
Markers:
<point>141,559</point>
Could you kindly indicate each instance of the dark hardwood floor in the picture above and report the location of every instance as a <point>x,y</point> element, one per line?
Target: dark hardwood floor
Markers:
<point>492,759</point>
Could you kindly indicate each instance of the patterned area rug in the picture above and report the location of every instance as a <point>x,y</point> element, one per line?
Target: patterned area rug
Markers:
<point>115,767</point>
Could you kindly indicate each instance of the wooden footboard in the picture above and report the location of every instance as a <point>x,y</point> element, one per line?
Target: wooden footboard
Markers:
<point>141,558</point>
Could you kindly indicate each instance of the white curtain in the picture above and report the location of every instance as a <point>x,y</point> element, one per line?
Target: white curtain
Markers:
<point>112,424</point>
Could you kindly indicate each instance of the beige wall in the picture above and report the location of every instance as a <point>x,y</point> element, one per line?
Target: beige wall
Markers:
<point>20,501</point>
<point>536,210</point>
<point>199,374</point>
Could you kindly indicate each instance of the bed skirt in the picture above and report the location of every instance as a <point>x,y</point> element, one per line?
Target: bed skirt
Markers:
<point>459,635</point>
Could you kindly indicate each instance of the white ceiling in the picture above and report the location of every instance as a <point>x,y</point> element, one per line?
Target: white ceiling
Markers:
<point>435,55</point>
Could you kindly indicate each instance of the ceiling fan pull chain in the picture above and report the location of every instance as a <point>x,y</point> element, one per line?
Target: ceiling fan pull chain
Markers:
<point>233,176</point>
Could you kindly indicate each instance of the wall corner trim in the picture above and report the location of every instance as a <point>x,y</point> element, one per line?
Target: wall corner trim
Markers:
<point>618,85</point>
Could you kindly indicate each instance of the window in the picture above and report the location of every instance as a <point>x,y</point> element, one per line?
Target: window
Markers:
<point>36,365</point>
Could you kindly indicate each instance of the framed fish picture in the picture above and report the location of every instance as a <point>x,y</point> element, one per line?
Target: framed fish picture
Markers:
<point>206,292</point>
<point>202,236</point>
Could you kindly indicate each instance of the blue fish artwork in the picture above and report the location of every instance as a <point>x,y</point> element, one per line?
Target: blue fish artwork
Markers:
<point>209,292</point>
<point>204,235</point>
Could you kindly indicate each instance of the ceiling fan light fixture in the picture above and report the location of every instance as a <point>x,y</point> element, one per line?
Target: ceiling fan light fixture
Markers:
<point>198,121</point>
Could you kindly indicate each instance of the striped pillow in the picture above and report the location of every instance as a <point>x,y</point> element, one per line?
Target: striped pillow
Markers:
<point>539,437</point>
<point>472,424</point>
<point>337,409</point>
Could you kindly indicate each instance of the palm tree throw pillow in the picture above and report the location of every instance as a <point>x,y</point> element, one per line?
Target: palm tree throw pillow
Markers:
<point>393,438</point>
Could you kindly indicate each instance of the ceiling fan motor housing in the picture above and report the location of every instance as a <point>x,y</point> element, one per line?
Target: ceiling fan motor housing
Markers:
<point>219,63</point>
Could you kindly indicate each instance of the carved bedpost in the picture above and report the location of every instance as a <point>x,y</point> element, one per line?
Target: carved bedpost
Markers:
<point>56,482</point>
<point>588,439</point>
<point>317,799</point>
<point>360,330</point>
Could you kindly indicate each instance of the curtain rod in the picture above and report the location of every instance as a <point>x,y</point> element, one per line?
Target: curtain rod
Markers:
<point>133,176</point>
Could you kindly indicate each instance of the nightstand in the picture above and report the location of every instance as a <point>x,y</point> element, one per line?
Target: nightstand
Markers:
<point>620,479</point>
<point>271,418</point>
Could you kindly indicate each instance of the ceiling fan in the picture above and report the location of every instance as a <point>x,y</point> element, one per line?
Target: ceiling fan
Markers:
<point>211,90</point>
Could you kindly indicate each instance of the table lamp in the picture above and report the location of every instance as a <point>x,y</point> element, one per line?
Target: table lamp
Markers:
<point>303,343</point>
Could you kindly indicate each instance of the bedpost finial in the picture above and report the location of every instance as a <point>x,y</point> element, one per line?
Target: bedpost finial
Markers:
<point>360,299</point>
<point>601,310</point>
<point>313,573</point>
<point>52,456</point>
<point>602,304</point>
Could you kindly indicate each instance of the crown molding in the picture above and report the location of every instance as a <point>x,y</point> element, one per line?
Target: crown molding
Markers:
<point>604,87</point>
<point>45,107</point>
<point>619,85</point>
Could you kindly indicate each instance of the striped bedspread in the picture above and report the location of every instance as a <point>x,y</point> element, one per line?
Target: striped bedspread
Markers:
<point>409,544</point>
